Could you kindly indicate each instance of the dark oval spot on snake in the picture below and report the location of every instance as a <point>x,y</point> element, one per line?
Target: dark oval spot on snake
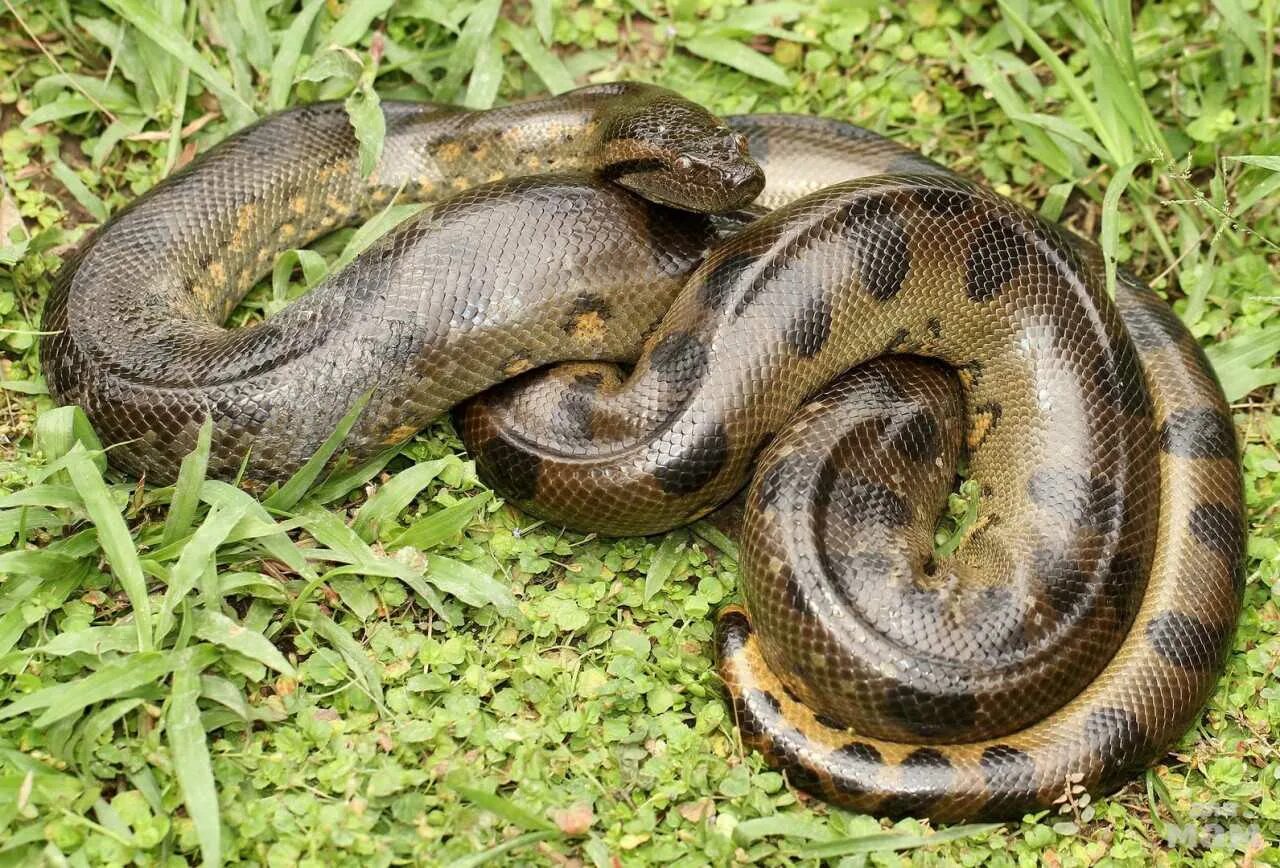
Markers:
<point>1075,497</point>
<point>810,329</point>
<point>697,462</point>
<point>858,752</point>
<point>855,767</point>
<point>679,359</point>
<point>861,501</point>
<point>733,629</point>
<point>793,594</point>
<point>1119,742</point>
<point>1188,642</point>
<point>880,245</point>
<point>927,776</point>
<point>1060,581</point>
<point>1008,770</point>
<point>1198,433</point>
<point>1218,527</point>
<point>510,469</point>
<point>1152,324</point>
<point>779,485</point>
<point>997,252</point>
<point>945,203</point>
<point>918,437</point>
<point>722,279</point>
<point>829,722</point>
<point>929,715</point>
<point>1123,580</point>
<point>571,421</point>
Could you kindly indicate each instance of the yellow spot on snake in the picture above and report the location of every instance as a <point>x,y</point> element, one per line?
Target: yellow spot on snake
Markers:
<point>588,326</point>
<point>518,365</point>
<point>217,274</point>
<point>399,434</point>
<point>288,230</point>
<point>299,205</point>
<point>982,422</point>
<point>496,175</point>
<point>449,152</point>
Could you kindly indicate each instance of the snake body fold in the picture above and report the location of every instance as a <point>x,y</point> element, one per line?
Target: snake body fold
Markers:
<point>1073,635</point>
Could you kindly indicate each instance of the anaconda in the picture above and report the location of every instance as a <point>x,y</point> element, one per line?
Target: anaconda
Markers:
<point>1072,636</point>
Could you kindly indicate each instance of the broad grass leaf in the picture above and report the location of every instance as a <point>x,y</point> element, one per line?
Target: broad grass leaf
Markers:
<point>427,533</point>
<point>220,630</point>
<point>356,19</point>
<point>393,496</point>
<point>664,563</point>
<point>738,56</point>
<point>891,842</point>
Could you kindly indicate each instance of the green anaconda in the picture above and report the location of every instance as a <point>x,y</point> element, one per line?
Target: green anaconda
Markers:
<point>886,320</point>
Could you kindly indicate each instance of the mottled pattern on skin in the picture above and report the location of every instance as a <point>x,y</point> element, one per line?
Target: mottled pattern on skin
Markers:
<point>1081,624</point>
<point>1073,633</point>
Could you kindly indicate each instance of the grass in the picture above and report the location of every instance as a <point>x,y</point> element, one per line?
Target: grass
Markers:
<point>393,666</point>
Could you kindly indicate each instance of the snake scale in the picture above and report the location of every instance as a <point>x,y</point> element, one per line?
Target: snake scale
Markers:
<point>885,321</point>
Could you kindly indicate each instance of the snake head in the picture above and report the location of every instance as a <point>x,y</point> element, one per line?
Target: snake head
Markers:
<point>673,151</point>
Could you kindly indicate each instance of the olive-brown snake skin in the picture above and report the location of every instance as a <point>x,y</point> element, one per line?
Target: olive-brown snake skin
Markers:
<point>1075,632</point>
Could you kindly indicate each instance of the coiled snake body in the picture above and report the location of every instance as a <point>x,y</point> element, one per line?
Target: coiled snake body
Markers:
<point>1072,636</point>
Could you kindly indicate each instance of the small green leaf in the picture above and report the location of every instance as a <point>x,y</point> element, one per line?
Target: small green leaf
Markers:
<point>663,563</point>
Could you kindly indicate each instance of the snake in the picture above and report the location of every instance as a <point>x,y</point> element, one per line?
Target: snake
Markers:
<point>637,309</point>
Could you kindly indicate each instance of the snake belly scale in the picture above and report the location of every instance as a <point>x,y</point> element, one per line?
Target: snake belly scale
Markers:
<point>884,320</point>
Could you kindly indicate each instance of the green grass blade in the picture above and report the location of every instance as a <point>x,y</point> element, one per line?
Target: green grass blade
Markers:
<point>486,856</point>
<point>197,555</point>
<point>663,563</point>
<point>381,509</point>
<point>189,748</point>
<point>110,682</point>
<point>186,491</point>
<point>891,842</point>
<point>366,673</point>
<point>285,64</point>
<point>113,534</point>
<point>144,17</point>
<point>1111,221</point>
<point>475,33</point>
<point>504,808</point>
<point>221,630</point>
<point>470,585</point>
<point>292,491</point>
<point>738,56</point>
<point>429,532</point>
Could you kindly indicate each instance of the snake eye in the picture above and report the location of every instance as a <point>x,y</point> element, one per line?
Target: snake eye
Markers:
<point>740,142</point>
<point>683,164</point>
